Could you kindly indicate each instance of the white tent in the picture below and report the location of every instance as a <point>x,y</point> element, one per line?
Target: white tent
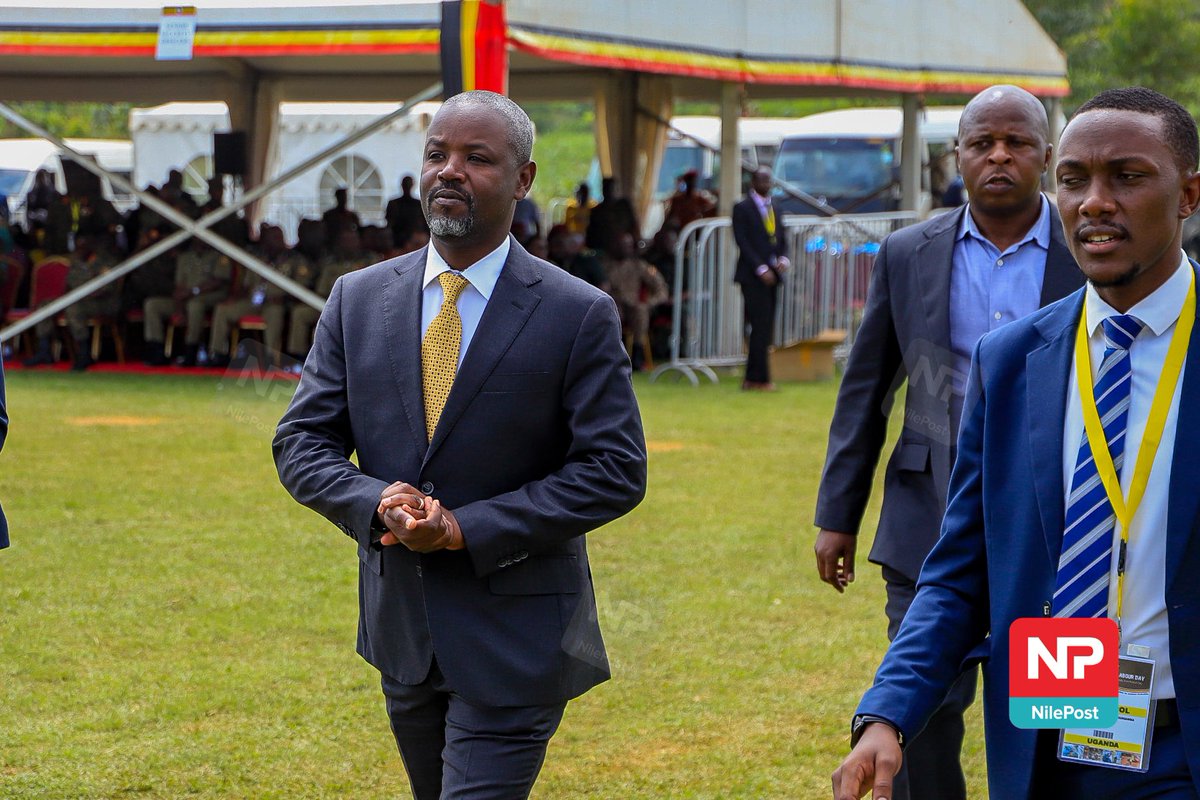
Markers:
<point>180,136</point>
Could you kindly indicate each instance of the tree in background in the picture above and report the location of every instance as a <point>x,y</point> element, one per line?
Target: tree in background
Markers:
<point>83,120</point>
<point>1126,42</point>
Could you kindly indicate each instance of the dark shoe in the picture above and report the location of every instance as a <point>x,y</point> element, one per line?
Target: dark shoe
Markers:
<point>218,361</point>
<point>189,358</point>
<point>42,357</point>
<point>39,360</point>
<point>155,355</point>
<point>83,355</point>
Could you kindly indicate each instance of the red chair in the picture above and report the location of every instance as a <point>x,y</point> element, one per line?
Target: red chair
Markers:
<point>13,273</point>
<point>48,282</point>
<point>250,322</point>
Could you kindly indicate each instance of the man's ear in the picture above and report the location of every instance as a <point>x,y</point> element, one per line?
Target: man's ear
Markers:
<point>1189,198</point>
<point>525,176</point>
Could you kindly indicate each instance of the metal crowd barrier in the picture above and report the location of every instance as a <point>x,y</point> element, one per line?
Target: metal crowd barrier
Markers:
<point>825,290</point>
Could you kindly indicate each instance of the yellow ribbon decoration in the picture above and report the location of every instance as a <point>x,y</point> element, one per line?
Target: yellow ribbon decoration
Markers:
<point>1155,423</point>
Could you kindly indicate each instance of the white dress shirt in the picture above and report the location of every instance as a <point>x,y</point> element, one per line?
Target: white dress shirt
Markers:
<point>482,276</point>
<point>1144,614</point>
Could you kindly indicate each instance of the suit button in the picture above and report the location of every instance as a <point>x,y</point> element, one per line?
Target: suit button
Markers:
<point>427,487</point>
<point>418,570</point>
<point>521,556</point>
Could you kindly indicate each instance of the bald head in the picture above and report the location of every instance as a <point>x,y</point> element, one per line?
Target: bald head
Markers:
<point>1009,97</point>
<point>517,123</point>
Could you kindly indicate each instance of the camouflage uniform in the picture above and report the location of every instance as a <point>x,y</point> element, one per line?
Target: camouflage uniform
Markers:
<point>103,303</point>
<point>270,301</point>
<point>191,271</point>
<point>304,316</point>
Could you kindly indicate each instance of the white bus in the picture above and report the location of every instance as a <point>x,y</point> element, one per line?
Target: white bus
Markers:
<point>850,158</point>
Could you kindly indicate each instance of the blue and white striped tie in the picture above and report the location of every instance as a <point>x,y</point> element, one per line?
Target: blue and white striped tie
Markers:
<point>1086,557</point>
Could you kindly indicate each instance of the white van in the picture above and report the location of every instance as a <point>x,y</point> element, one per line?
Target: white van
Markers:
<point>20,159</point>
<point>850,158</point>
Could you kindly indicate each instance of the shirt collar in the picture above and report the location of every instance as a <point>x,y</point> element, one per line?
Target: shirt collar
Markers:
<point>1158,311</point>
<point>1039,232</point>
<point>483,274</point>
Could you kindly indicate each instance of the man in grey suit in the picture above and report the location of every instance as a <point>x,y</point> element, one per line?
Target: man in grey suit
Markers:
<point>487,396</point>
<point>936,288</point>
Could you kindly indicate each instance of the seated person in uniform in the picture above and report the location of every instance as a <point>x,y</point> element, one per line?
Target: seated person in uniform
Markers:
<point>202,278</point>
<point>256,296</point>
<point>637,287</point>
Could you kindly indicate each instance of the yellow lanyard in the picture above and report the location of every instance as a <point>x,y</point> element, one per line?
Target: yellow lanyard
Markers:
<point>1155,423</point>
<point>770,222</point>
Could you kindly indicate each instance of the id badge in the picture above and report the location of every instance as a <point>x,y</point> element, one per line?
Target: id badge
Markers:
<point>1126,745</point>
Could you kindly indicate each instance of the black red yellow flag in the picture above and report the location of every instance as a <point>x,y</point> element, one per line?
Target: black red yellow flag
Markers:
<point>474,43</point>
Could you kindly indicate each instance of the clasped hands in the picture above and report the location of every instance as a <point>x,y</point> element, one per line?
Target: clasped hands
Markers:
<point>417,521</point>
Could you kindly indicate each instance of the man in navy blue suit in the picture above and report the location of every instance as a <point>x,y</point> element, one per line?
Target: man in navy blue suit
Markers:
<point>3,435</point>
<point>1010,538</point>
<point>487,396</point>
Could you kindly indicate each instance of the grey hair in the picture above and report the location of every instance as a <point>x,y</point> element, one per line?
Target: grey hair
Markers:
<point>520,127</point>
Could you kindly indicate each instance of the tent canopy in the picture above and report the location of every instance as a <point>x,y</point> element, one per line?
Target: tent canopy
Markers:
<point>635,58</point>
<point>382,51</point>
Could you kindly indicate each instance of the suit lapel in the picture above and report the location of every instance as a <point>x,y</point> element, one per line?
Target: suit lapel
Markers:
<point>933,262</point>
<point>1183,501</point>
<point>1061,276</point>
<point>402,330</point>
<point>1046,408</point>
<point>507,311</point>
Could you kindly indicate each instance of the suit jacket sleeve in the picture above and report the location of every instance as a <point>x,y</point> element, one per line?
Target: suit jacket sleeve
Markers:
<point>604,472</point>
<point>860,418</point>
<point>950,616</point>
<point>314,440</point>
<point>3,410</point>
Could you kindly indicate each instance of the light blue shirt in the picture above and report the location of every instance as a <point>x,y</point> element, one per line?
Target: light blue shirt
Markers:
<point>482,276</point>
<point>989,288</point>
<point>1145,609</point>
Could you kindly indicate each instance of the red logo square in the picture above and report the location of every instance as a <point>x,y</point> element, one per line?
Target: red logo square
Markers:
<point>1067,657</point>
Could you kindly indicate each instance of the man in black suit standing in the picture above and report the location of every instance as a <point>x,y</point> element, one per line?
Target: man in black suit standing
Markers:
<point>762,260</point>
<point>936,288</point>
<point>487,396</point>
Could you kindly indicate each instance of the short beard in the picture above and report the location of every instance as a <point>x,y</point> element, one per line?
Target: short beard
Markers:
<point>446,227</point>
<point>451,227</point>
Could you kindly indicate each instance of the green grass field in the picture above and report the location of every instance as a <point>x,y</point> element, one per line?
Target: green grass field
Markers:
<point>173,625</point>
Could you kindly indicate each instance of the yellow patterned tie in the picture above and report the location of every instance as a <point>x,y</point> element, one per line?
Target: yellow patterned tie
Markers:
<point>439,350</point>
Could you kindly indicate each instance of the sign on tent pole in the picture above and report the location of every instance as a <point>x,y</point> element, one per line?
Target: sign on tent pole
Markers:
<point>176,34</point>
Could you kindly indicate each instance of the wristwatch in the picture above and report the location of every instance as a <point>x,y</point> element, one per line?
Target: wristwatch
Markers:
<point>861,722</point>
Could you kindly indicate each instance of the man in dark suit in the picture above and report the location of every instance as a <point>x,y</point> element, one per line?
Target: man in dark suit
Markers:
<point>762,260</point>
<point>487,447</point>
<point>935,289</point>
<point>1015,540</point>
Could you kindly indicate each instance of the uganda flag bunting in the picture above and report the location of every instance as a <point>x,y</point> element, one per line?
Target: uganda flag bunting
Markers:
<point>473,46</point>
